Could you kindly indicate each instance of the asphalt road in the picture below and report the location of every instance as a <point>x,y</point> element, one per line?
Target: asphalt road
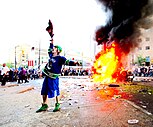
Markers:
<point>83,104</point>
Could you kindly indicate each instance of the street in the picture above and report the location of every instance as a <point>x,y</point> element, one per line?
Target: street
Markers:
<point>83,104</point>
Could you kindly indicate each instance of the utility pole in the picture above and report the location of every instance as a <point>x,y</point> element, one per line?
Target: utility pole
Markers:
<point>39,57</point>
<point>15,57</point>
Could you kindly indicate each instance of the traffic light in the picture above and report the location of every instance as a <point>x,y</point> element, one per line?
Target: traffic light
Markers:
<point>22,52</point>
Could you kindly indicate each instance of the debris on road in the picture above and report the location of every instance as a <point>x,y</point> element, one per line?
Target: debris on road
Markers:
<point>133,121</point>
<point>25,90</point>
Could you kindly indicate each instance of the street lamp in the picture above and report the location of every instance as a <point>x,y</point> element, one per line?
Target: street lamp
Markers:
<point>15,56</point>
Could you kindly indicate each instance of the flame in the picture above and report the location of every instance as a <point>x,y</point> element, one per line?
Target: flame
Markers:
<point>107,66</point>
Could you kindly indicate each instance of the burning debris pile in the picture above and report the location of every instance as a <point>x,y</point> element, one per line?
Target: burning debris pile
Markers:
<point>107,65</point>
<point>118,37</point>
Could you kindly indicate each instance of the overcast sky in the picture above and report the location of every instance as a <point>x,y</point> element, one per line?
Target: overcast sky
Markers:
<point>24,21</point>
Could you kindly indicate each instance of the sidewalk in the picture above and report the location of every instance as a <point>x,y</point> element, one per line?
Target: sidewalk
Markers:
<point>145,79</point>
<point>79,108</point>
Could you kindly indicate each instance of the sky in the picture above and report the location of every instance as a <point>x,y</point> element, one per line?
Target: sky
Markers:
<point>25,21</point>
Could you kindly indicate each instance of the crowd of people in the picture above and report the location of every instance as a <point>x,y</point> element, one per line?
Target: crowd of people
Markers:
<point>75,72</point>
<point>143,71</point>
<point>23,75</point>
<point>19,75</point>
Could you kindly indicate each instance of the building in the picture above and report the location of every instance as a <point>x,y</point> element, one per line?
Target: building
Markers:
<point>145,48</point>
<point>37,57</point>
<point>28,56</point>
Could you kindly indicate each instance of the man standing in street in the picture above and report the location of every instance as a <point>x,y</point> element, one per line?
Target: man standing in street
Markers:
<point>52,71</point>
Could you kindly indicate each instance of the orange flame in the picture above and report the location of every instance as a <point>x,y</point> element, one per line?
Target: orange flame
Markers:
<point>107,66</point>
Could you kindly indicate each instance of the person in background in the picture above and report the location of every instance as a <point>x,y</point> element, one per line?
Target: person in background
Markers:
<point>4,73</point>
<point>11,74</point>
<point>22,75</point>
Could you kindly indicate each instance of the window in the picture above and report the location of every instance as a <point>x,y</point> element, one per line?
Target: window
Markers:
<point>147,47</point>
<point>147,58</point>
<point>147,39</point>
<point>139,48</point>
<point>139,40</point>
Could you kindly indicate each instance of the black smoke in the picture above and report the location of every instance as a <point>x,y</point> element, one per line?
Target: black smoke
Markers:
<point>127,18</point>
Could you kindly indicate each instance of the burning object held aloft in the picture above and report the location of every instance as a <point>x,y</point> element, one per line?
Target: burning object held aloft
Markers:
<point>118,37</point>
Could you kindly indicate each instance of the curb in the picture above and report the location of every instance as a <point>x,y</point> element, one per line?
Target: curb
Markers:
<point>137,107</point>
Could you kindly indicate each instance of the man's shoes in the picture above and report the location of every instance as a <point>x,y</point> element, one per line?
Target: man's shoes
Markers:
<point>44,107</point>
<point>57,107</point>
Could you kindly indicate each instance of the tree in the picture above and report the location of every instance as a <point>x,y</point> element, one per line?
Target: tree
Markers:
<point>141,60</point>
<point>9,65</point>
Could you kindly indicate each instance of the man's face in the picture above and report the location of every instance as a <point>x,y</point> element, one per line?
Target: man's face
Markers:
<point>54,51</point>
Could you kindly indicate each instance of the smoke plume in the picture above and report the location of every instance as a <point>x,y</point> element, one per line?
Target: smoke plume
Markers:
<point>128,16</point>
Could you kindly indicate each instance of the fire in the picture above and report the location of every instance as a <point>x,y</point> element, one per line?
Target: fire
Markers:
<point>107,66</point>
